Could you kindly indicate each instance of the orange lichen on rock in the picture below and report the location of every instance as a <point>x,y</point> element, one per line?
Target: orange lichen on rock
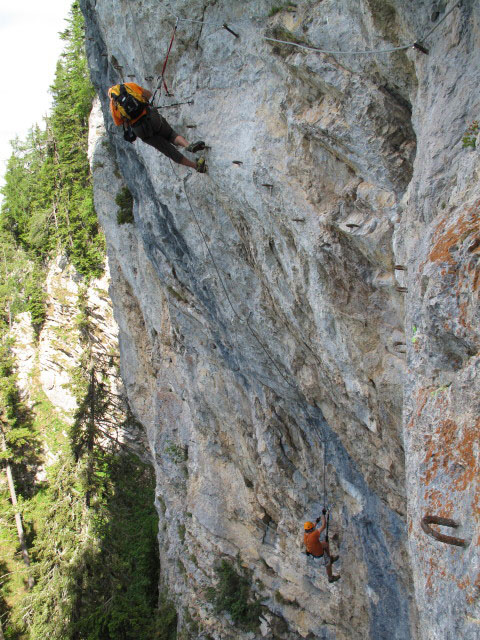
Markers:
<point>452,451</point>
<point>466,458</point>
<point>464,584</point>
<point>422,397</point>
<point>437,504</point>
<point>474,592</point>
<point>440,449</point>
<point>447,237</point>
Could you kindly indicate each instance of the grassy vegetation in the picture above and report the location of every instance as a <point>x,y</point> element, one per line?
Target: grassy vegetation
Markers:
<point>470,137</point>
<point>86,502</point>
<point>289,6</point>
<point>233,594</point>
<point>124,200</point>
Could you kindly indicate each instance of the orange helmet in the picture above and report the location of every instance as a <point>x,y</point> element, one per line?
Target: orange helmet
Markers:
<point>308,525</point>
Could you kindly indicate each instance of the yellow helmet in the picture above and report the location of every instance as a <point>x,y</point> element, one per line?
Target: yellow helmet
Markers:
<point>308,525</point>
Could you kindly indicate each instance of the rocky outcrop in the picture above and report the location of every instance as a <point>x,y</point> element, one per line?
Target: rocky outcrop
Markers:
<point>309,296</point>
<point>47,364</point>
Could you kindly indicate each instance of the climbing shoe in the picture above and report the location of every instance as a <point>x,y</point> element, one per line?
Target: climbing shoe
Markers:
<point>201,165</point>
<point>195,146</point>
<point>334,578</point>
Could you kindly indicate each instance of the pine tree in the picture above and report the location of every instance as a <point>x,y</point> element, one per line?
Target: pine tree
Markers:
<point>48,196</point>
<point>91,527</point>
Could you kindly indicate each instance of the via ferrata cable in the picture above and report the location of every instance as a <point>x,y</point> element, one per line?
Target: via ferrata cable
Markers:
<point>224,287</point>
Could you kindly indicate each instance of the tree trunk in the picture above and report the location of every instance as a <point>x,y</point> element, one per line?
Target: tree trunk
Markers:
<point>18,517</point>
<point>90,435</point>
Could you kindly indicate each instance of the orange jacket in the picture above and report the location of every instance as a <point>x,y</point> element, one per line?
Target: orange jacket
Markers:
<point>312,543</point>
<point>117,118</point>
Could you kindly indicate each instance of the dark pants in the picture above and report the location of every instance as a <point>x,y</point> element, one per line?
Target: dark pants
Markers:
<point>155,131</point>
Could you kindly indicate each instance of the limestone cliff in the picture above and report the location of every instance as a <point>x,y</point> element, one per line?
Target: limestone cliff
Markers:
<point>46,364</point>
<point>316,293</point>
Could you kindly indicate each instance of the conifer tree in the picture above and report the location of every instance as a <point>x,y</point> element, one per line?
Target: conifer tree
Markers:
<point>91,527</point>
<point>48,196</point>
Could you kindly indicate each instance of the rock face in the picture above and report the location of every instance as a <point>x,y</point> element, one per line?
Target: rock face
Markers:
<point>313,297</point>
<point>47,364</point>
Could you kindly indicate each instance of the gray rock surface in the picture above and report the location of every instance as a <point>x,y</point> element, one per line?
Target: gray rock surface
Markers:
<point>262,319</point>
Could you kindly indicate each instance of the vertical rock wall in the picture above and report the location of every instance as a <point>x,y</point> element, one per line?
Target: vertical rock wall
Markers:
<point>49,360</point>
<point>438,239</point>
<point>262,320</point>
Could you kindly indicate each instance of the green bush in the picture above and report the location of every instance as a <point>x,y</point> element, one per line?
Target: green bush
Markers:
<point>166,620</point>
<point>181,532</point>
<point>36,299</point>
<point>234,595</point>
<point>124,200</point>
<point>290,6</point>
<point>470,137</point>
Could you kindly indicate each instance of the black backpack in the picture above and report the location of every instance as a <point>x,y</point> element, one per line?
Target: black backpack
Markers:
<point>129,105</point>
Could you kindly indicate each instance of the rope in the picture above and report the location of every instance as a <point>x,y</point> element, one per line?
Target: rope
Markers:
<point>138,37</point>
<point>416,44</point>
<point>371,51</point>
<point>303,46</point>
<point>162,75</point>
<point>327,51</point>
<point>324,474</point>
<point>325,506</point>
<point>308,48</point>
<point>227,295</point>
<point>440,22</point>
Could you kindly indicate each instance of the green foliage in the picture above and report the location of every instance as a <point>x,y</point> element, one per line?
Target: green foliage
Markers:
<point>181,532</point>
<point>289,6</point>
<point>177,453</point>
<point>96,568</point>
<point>48,198</point>
<point>15,420</point>
<point>35,297</point>
<point>274,10</point>
<point>95,552</point>
<point>91,526</point>
<point>470,137</point>
<point>234,595</point>
<point>439,390</point>
<point>165,620</point>
<point>124,200</point>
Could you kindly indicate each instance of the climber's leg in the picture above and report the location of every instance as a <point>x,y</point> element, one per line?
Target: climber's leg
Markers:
<point>180,141</point>
<point>329,561</point>
<point>188,163</point>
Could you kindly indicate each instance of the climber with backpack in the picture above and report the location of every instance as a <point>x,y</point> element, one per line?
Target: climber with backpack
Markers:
<point>316,547</point>
<point>130,107</point>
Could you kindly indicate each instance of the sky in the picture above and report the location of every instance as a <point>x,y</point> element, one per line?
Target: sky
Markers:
<point>29,50</point>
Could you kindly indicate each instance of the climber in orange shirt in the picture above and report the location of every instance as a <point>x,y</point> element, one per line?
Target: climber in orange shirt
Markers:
<point>130,108</point>
<point>316,547</point>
